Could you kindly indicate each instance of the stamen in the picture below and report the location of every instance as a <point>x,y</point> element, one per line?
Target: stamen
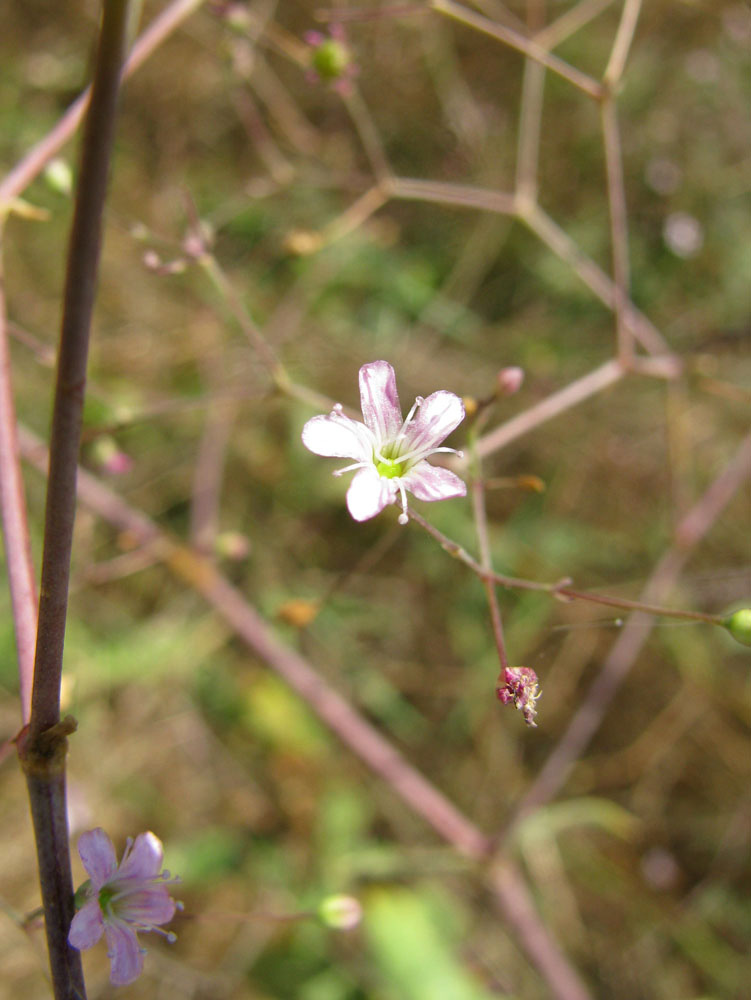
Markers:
<point>349,468</point>
<point>420,453</point>
<point>404,516</point>
<point>417,403</point>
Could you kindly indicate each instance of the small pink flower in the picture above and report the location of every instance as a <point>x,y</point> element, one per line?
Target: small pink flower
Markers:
<point>121,900</point>
<point>520,686</point>
<point>390,453</point>
<point>509,380</point>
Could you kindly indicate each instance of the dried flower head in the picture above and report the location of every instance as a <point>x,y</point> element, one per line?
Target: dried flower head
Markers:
<point>520,686</point>
<point>120,900</point>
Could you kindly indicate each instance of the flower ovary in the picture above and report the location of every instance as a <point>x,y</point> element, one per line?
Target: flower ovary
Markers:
<point>389,470</point>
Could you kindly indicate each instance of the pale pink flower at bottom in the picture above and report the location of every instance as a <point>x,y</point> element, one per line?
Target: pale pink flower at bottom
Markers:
<point>390,453</point>
<point>121,900</point>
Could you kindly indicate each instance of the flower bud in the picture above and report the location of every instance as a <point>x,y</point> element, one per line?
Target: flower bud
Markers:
<point>739,625</point>
<point>232,545</point>
<point>59,176</point>
<point>509,380</point>
<point>340,913</point>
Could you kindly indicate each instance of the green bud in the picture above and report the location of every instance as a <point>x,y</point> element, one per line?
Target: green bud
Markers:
<point>59,176</point>
<point>340,913</point>
<point>739,625</point>
<point>330,59</point>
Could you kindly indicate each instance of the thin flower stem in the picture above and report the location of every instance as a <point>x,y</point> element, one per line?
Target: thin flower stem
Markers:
<point>369,137</point>
<point>356,214</point>
<point>21,578</point>
<point>461,195</point>
<point>530,119</point>
<point>253,333</point>
<point>560,589</point>
<point>558,402</point>
<point>625,605</point>
<point>208,475</point>
<point>570,22</point>
<point>593,277</point>
<point>618,228</point>
<point>517,41</point>
<point>229,296</point>
<point>481,527</point>
<point>42,746</point>
<point>622,44</point>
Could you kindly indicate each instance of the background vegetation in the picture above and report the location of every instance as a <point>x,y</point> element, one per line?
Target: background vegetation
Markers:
<point>230,162</point>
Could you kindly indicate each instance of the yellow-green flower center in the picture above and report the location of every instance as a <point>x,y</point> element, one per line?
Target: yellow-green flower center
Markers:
<point>390,470</point>
<point>106,895</point>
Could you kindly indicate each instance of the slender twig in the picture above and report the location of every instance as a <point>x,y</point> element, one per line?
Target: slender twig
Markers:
<point>335,711</point>
<point>558,402</point>
<point>461,195</point>
<point>21,580</point>
<point>570,22</point>
<point>42,747</point>
<point>208,474</point>
<point>618,227</point>
<point>355,215</point>
<point>623,38</point>
<point>515,902</point>
<point>256,336</point>
<point>594,277</point>
<point>530,120</point>
<point>369,137</point>
<point>483,541</point>
<point>503,203</point>
<point>517,41</point>
<point>224,287</point>
<point>560,589</point>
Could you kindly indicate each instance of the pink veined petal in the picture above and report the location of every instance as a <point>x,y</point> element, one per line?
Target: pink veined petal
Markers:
<point>336,436</point>
<point>125,955</point>
<point>87,926</point>
<point>368,494</point>
<point>147,907</point>
<point>432,482</point>
<point>379,400</point>
<point>98,856</point>
<point>439,414</point>
<point>144,859</point>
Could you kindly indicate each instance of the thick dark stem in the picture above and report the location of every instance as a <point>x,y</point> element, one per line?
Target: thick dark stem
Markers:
<point>43,744</point>
<point>45,779</point>
<point>80,287</point>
